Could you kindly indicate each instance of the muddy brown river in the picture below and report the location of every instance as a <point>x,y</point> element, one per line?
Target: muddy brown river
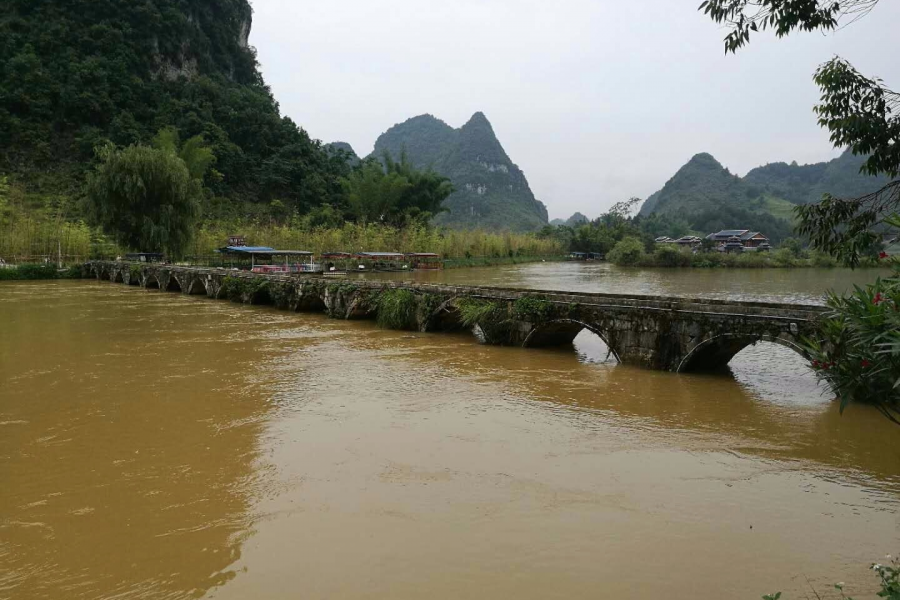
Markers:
<point>161,446</point>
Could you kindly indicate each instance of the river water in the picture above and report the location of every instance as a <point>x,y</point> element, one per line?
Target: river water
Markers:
<point>801,286</point>
<point>155,445</point>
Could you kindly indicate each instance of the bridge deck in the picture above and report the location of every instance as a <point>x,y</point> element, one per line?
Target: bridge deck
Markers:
<point>596,299</point>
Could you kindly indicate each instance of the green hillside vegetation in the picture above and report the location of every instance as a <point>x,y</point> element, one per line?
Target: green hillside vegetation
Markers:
<point>710,198</point>
<point>79,73</point>
<point>806,184</point>
<point>491,191</point>
<point>778,207</point>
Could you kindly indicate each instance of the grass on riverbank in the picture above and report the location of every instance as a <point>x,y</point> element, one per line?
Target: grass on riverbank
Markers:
<point>38,271</point>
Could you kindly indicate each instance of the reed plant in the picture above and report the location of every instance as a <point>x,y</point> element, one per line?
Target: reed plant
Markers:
<point>356,237</point>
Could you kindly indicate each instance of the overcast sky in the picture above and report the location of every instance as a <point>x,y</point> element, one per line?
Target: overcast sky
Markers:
<point>596,101</point>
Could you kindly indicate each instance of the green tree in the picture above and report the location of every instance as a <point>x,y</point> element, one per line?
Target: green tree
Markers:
<point>197,157</point>
<point>394,193</point>
<point>792,245</point>
<point>145,198</point>
<point>628,252</point>
<point>427,190</point>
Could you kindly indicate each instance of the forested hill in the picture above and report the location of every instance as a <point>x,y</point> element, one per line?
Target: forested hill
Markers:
<point>76,73</point>
<point>802,184</point>
<point>709,197</point>
<point>491,191</point>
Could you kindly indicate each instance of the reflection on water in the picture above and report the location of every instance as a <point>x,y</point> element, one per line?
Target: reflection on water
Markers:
<point>155,445</point>
<point>804,286</point>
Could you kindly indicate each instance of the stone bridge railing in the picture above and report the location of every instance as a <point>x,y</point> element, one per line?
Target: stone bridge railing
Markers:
<point>676,334</point>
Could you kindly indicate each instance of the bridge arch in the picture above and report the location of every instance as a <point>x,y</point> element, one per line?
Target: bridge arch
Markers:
<point>173,285</point>
<point>561,332</point>
<point>151,282</point>
<point>196,287</point>
<point>715,353</point>
<point>117,276</point>
<point>446,317</point>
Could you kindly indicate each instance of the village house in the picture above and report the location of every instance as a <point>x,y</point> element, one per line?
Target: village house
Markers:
<point>739,240</point>
<point>688,241</point>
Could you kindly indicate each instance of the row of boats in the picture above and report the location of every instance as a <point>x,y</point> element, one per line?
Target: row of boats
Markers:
<point>337,264</point>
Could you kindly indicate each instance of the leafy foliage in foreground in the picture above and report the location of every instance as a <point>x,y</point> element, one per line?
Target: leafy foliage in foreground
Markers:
<point>857,351</point>
<point>783,16</point>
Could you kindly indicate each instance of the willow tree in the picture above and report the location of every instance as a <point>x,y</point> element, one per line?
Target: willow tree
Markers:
<point>857,350</point>
<point>145,198</point>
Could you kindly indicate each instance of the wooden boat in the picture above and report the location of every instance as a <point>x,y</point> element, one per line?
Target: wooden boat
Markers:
<point>425,261</point>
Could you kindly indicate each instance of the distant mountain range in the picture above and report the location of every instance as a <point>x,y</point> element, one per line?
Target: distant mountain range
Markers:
<point>709,197</point>
<point>491,191</point>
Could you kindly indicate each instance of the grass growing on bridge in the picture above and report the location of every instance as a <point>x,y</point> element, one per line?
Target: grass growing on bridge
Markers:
<point>533,310</point>
<point>397,309</point>
<point>474,312</point>
<point>250,290</point>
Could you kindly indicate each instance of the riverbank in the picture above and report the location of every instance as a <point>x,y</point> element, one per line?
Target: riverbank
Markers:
<point>496,261</point>
<point>668,256</point>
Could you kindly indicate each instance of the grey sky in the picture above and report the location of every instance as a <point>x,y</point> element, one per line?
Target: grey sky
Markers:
<point>596,101</point>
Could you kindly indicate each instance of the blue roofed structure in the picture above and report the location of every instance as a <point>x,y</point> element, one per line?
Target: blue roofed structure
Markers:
<point>251,250</point>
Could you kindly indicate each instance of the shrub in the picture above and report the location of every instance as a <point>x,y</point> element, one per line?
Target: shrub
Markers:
<point>821,259</point>
<point>857,346</point>
<point>753,260</point>
<point>73,272</point>
<point>793,246</point>
<point>783,257</point>
<point>670,255</point>
<point>30,272</point>
<point>628,252</point>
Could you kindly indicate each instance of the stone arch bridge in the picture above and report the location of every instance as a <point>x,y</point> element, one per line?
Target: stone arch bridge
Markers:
<point>672,334</point>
